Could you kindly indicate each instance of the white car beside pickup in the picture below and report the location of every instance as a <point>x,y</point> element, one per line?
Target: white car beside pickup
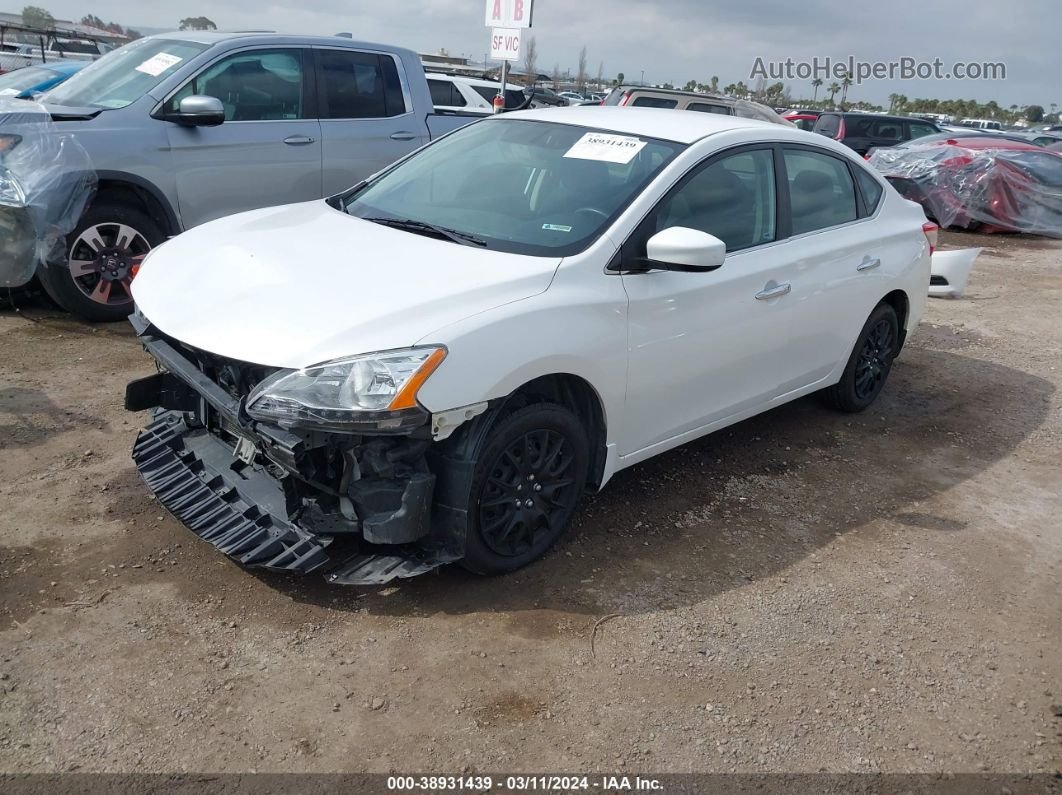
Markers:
<point>435,365</point>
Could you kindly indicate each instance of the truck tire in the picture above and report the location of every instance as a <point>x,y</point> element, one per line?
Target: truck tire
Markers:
<point>103,253</point>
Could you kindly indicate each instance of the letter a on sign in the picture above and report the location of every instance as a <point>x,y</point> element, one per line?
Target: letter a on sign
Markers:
<point>509,13</point>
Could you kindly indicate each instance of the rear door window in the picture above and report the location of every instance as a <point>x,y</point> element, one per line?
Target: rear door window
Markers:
<point>358,85</point>
<point>821,191</point>
<point>871,190</point>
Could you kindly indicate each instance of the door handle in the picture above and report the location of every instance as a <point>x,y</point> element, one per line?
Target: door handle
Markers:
<point>298,140</point>
<point>868,264</point>
<point>403,136</point>
<point>773,290</point>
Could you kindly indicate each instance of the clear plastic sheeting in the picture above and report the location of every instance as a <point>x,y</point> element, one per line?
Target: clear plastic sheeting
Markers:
<point>46,181</point>
<point>754,110</point>
<point>996,189</point>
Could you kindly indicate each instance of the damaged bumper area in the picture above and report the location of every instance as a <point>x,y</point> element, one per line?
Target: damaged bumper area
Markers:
<point>358,509</point>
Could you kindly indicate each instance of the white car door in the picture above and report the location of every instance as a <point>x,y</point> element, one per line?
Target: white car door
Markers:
<point>709,348</point>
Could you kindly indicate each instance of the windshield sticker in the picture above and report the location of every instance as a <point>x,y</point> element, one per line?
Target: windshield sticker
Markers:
<point>606,148</point>
<point>157,64</point>
<point>556,228</point>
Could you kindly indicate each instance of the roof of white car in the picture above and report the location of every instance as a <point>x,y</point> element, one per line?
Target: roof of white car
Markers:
<point>681,126</point>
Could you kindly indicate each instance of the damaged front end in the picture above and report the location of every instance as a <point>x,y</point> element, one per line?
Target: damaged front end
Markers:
<point>360,507</point>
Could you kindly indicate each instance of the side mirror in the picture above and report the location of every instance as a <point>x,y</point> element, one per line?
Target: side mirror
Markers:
<point>199,111</point>
<point>679,248</point>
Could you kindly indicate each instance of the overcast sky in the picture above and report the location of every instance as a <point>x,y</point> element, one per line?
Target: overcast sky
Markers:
<point>676,40</point>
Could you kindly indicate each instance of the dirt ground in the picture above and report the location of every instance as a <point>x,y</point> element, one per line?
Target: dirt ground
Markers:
<point>806,591</point>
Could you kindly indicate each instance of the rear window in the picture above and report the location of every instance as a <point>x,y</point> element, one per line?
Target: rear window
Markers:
<point>654,102</point>
<point>615,96</point>
<point>829,124</point>
<point>704,107</point>
<point>513,98</point>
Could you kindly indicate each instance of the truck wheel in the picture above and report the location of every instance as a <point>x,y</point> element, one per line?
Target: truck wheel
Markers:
<point>529,475</point>
<point>104,251</point>
<point>870,363</point>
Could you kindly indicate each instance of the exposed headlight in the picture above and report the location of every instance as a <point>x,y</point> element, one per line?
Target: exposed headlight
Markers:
<point>375,392</point>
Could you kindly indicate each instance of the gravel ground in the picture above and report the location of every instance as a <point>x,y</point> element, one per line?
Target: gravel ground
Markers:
<point>806,591</point>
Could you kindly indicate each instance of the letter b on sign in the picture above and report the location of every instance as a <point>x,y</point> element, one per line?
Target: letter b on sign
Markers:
<point>509,13</point>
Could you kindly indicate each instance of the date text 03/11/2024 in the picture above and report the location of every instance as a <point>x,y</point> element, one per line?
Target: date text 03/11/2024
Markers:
<point>523,783</point>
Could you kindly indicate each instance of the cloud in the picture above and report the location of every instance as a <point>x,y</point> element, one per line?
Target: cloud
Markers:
<point>678,40</point>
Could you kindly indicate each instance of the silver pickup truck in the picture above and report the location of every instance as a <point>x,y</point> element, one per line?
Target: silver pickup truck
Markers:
<point>183,128</point>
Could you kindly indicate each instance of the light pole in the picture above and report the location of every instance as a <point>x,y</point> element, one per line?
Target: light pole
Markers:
<point>642,81</point>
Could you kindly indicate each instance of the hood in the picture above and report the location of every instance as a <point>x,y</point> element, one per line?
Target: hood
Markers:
<point>303,284</point>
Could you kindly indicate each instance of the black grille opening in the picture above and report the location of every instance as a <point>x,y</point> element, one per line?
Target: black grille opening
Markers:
<point>938,281</point>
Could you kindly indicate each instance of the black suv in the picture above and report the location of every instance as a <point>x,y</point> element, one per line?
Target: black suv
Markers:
<point>866,131</point>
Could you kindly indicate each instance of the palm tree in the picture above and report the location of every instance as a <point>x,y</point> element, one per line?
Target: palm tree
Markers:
<point>833,88</point>
<point>845,84</point>
<point>816,84</point>
<point>714,85</point>
<point>893,98</point>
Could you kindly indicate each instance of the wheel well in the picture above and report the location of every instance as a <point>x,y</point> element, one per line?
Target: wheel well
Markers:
<point>116,192</point>
<point>578,396</point>
<point>897,299</point>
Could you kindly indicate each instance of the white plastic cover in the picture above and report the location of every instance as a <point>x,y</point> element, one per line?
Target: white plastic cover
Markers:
<point>46,181</point>
<point>992,190</point>
<point>950,271</point>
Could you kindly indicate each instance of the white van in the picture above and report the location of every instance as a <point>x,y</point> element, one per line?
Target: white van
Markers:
<point>982,124</point>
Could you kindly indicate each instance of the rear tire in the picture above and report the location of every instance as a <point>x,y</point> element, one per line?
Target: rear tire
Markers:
<point>529,475</point>
<point>869,364</point>
<point>102,255</point>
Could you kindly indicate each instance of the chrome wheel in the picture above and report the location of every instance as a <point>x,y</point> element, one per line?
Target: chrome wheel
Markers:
<point>103,260</point>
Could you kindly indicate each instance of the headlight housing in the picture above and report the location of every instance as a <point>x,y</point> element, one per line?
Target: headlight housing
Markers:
<point>374,392</point>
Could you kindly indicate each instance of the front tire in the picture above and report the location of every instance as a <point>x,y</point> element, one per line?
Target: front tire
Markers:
<point>870,363</point>
<point>103,253</point>
<point>529,475</point>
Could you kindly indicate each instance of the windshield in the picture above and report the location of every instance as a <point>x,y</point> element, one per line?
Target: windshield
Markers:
<point>520,186</point>
<point>121,77</point>
<point>14,83</point>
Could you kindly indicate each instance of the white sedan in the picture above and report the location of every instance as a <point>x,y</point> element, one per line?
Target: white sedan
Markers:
<point>437,364</point>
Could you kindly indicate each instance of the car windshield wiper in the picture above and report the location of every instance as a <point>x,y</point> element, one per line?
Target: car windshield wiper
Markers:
<point>424,228</point>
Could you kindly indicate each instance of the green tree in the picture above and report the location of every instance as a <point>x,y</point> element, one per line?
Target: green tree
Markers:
<point>713,86</point>
<point>37,18</point>
<point>833,88</point>
<point>845,85</point>
<point>816,84</point>
<point>1034,113</point>
<point>197,23</point>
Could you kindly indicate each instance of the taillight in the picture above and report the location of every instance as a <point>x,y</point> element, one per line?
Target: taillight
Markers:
<point>931,231</point>
<point>626,99</point>
<point>840,131</point>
